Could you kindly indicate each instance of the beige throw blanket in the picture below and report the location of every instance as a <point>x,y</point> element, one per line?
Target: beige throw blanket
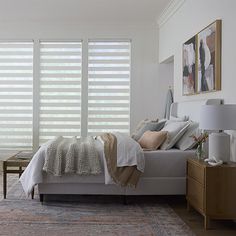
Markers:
<point>123,176</point>
<point>72,155</point>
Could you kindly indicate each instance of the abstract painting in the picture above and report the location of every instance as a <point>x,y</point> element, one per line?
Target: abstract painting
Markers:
<point>209,58</point>
<point>189,66</point>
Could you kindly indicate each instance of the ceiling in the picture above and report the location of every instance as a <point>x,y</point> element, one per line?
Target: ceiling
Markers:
<point>81,11</point>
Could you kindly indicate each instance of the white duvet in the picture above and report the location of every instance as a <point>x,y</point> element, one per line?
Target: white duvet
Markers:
<point>129,153</point>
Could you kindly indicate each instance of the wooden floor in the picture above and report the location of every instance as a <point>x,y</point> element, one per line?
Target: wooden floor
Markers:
<point>193,219</point>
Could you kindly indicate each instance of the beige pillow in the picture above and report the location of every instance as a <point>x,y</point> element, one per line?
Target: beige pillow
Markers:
<point>152,139</point>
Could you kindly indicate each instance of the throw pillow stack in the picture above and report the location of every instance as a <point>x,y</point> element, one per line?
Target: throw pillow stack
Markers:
<point>165,135</point>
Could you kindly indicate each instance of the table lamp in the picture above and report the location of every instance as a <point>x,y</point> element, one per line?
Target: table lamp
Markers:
<point>218,118</point>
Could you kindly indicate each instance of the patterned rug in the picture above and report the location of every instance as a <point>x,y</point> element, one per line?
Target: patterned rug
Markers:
<point>88,216</point>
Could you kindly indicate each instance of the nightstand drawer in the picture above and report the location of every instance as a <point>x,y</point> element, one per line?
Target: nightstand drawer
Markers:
<point>196,172</point>
<point>195,193</point>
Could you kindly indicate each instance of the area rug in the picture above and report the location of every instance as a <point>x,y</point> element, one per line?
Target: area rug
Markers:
<point>22,216</point>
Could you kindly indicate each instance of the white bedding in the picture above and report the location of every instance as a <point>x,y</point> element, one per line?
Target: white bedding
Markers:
<point>128,153</point>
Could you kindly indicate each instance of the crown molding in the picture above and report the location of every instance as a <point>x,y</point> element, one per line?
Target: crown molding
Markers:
<point>169,11</point>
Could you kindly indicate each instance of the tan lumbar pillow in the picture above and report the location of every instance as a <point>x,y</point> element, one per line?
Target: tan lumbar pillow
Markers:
<point>152,140</point>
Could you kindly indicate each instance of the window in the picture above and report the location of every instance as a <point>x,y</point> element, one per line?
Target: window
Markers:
<point>57,101</point>
<point>60,89</point>
<point>108,86</point>
<point>16,88</point>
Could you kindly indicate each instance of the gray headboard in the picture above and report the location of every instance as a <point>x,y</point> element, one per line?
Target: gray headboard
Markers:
<point>191,108</point>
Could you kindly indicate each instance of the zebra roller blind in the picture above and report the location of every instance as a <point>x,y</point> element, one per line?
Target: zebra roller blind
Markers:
<point>108,86</point>
<point>60,89</point>
<point>16,95</point>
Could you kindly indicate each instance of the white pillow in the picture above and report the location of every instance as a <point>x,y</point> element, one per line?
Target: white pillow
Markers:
<point>183,118</point>
<point>186,142</point>
<point>175,132</point>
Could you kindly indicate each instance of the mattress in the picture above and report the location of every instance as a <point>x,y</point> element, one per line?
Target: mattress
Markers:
<point>160,163</point>
<point>166,163</point>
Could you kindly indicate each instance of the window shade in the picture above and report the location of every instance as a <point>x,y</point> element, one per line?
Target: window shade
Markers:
<point>16,87</point>
<point>108,86</point>
<point>60,89</point>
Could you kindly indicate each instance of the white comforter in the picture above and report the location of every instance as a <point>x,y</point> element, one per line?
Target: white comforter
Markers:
<point>129,153</point>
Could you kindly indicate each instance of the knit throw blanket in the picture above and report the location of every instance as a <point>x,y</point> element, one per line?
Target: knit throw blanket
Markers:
<point>72,155</point>
<point>123,176</point>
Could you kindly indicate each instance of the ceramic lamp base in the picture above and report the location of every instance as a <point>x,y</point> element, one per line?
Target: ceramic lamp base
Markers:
<point>219,146</point>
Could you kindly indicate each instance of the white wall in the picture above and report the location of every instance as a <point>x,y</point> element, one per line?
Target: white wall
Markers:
<point>190,18</point>
<point>147,90</point>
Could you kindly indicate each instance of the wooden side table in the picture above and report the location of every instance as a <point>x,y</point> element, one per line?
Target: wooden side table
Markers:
<point>15,165</point>
<point>211,190</point>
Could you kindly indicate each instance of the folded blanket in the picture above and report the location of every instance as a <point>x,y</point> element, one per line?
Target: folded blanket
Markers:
<point>123,176</point>
<point>72,155</point>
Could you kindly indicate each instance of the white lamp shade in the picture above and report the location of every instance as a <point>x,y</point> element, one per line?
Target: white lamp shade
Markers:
<point>218,117</point>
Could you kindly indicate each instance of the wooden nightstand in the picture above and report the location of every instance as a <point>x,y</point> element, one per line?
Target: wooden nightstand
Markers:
<point>211,190</point>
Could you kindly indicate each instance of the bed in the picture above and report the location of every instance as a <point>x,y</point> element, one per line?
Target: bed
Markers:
<point>165,171</point>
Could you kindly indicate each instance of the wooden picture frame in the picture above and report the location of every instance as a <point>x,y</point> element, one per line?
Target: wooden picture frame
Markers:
<point>208,58</point>
<point>203,75</point>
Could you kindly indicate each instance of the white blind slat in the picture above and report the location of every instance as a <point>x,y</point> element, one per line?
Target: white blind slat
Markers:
<point>107,83</point>
<point>57,119</point>
<point>62,67</point>
<point>108,55</point>
<point>60,53</point>
<point>103,119</point>
<point>109,76</point>
<point>60,75</point>
<point>56,112</point>
<point>16,82</point>
<point>15,119</point>
<point>60,89</point>
<point>58,132</point>
<point>60,104</point>
<point>102,98</point>
<point>108,62</point>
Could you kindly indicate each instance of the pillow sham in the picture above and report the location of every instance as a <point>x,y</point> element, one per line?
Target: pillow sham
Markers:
<point>152,126</point>
<point>186,142</point>
<point>175,132</point>
<point>139,126</point>
<point>152,140</point>
<point>183,118</point>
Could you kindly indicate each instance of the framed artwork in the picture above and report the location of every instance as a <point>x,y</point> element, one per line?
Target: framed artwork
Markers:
<point>189,66</point>
<point>209,58</point>
<point>202,61</point>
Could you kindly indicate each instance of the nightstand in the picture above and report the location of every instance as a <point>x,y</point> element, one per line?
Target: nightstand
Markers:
<point>211,190</point>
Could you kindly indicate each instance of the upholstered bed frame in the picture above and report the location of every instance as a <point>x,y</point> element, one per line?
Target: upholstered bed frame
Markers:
<point>165,171</point>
